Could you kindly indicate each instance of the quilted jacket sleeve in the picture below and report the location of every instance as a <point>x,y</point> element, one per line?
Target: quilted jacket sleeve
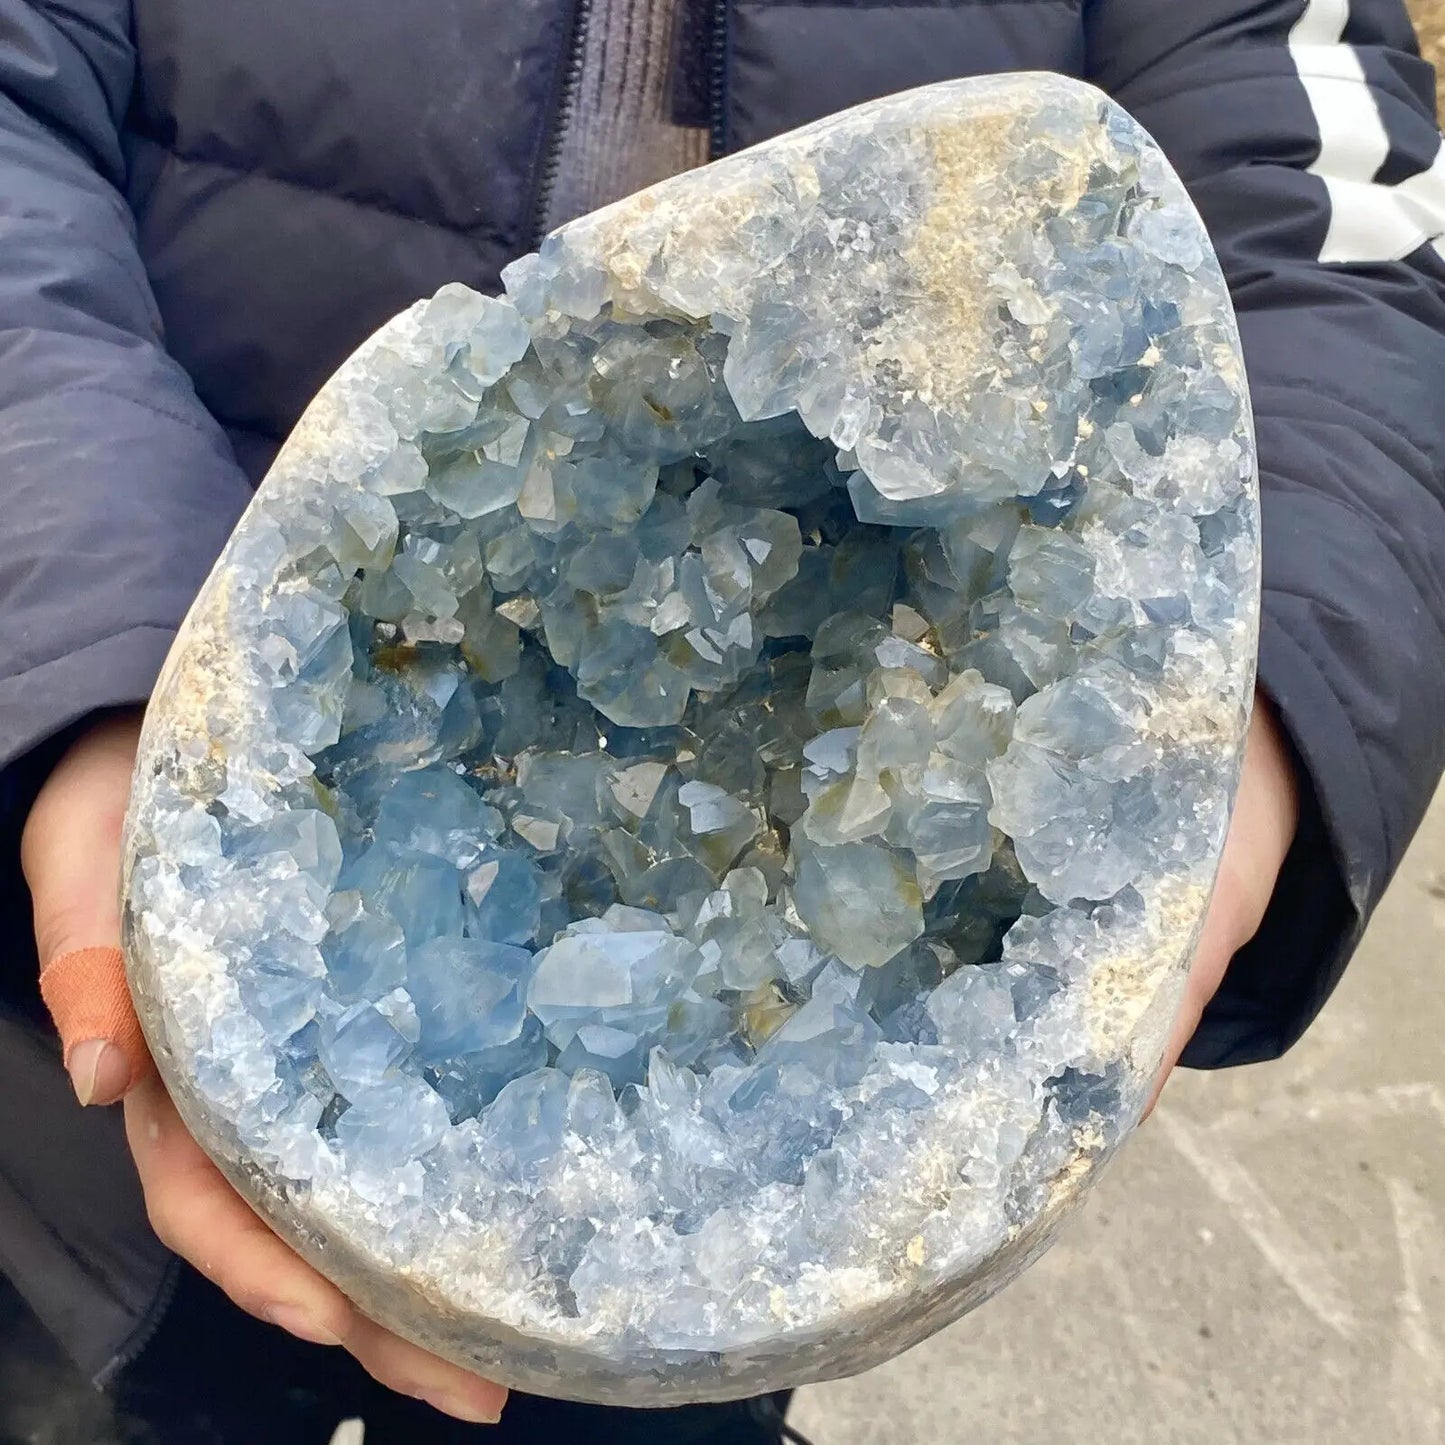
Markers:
<point>1306,133</point>
<point>116,488</point>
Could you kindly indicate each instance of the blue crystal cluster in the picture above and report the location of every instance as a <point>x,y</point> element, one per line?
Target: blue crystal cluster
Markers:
<point>676,762</point>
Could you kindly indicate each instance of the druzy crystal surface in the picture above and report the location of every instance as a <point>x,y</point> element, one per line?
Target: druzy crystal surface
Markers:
<point>665,854</point>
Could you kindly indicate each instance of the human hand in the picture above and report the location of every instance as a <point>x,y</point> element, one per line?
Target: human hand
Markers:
<point>1266,813</point>
<point>70,854</point>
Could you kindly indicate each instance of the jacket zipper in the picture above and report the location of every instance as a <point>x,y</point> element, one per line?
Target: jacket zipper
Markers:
<point>565,108</point>
<point>146,1330</point>
<point>717,76</point>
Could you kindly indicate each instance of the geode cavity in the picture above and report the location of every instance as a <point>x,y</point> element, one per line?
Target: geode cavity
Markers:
<point>665,854</point>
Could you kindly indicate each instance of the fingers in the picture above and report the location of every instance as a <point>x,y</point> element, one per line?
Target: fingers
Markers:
<point>104,1049</point>
<point>70,849</point>
<point>197,1214</point>
<point>408,1369</point>
<point>70,854</point>
<point>100,1070</point>
<point>1266,813</point>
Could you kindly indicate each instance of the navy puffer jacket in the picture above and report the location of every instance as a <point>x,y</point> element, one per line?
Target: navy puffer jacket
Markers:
<point>204,207</point>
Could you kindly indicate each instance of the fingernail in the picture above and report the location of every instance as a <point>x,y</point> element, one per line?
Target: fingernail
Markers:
<point>98,1071</point>
<point>298,1320</point>
<point>459,1407</point>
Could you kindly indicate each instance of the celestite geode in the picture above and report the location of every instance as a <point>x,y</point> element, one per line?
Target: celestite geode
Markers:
<point>665,854</point>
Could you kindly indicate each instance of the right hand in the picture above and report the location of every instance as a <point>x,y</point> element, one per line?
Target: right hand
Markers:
<point>70,854</point>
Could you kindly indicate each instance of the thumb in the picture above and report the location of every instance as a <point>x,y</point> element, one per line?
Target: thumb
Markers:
<point>70,855</point>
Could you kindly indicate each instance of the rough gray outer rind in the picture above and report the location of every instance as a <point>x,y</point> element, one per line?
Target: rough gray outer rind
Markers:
<point>205,703</point>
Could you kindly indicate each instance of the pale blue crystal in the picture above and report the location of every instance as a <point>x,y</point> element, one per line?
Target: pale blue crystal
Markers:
<point>468,995</point>
<point>432,810</point>
<point>396,1121</point>
<point>281,985</point>
<point>504,898</point>
<point>365,950</point>
<point>523,1128</point>
<point>304,835</point>
<point>469,1082</point>
<point>858,900</point>
<point>360,1049</point>
<point>419,891</point>
<point>620,970</point>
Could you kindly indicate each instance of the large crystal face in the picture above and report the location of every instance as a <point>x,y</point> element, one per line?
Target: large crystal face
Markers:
<point>665,855</point>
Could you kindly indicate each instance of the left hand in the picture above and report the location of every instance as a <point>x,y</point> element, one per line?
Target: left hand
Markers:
<point>70,854</point>
<point>1266,813</point>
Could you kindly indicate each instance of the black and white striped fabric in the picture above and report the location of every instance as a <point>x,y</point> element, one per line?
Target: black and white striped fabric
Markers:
<point>1383,172</point>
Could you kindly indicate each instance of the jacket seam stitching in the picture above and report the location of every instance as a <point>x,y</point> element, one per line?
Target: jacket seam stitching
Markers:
<point>230,168</point>
<point>166,414</point>
<point>61,129</point>
<point>10,680</point>
<point>1319,387</point>
<point>127,264</point>
<point>1368,521</point>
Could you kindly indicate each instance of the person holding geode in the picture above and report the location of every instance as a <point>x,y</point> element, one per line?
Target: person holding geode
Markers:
<point>199,219</point>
